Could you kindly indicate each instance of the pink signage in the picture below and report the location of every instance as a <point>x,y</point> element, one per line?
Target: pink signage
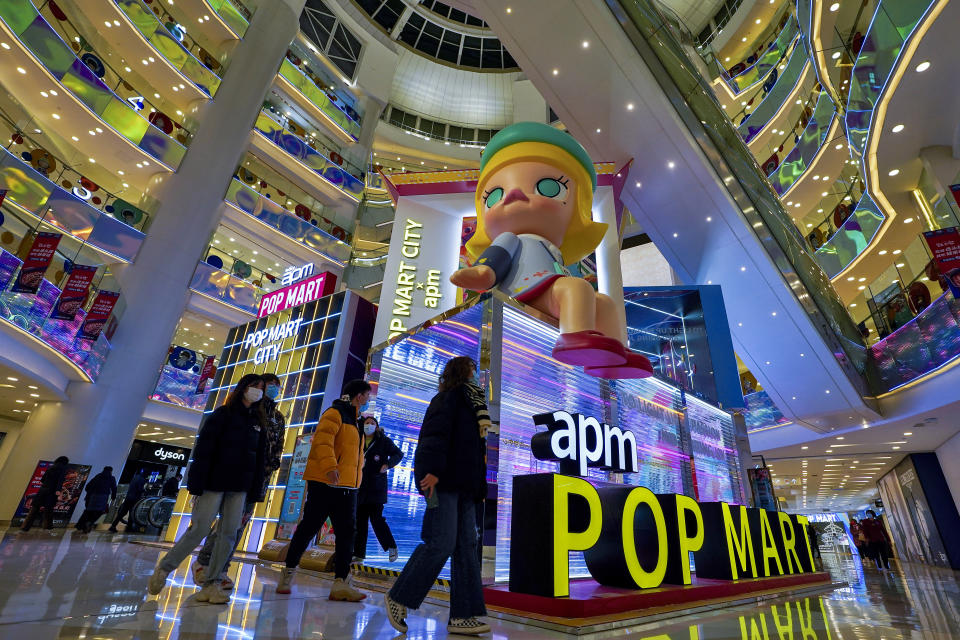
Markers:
<point>296,294</point>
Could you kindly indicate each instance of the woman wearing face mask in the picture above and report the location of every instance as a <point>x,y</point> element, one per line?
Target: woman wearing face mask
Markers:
<point>380,455</point>
<point>273,425</point>
<point>227,467</point>
<point>333,472</point>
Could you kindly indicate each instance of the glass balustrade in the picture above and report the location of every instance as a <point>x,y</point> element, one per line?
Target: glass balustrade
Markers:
<point>300,149</point>
<point>812,138</point>
<point>336,116</point>
<point>43,42</point>
<point>852,238</point>
<point>179,385</point>
<point>167,45</point>
<point>894,22</point>
<point>765,68</point>
<point>234,14</point>
<point>768,108</point>
<point>68,210</point>
<point>225,287</point>
<point>272,214</point>
<point>761,412</point>
<point>31,313</point>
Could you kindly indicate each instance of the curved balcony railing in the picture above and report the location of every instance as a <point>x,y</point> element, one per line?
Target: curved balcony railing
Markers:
<point>811,140</point>
<point>149,25</point>
<point>31,313</point>
<point>336,117</point>
<point>43,42</point>
<point>32,192</point>
<point>272,214</point>
<point>297,147</point>
<point>922,345</point>
<point>852,238</point>
<point>227,288</point>
<point>768,108</point>
<point>765,68</point>
<point>178,384</point>
<point>894,23</point>
<point>234,14</point>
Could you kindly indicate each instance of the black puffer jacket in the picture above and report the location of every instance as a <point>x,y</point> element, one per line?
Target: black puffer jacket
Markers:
<point>450,446</point>
<point>382,451</point>
<point>228,454</point>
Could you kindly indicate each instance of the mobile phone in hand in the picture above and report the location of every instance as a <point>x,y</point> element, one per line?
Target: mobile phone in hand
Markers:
<point>434,500</point>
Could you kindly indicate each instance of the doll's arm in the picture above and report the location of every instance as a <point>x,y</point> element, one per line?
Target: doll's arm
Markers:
<point>500,255</point>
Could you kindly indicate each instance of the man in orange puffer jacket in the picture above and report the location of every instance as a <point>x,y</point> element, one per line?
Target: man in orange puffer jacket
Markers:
<point>333,473</point>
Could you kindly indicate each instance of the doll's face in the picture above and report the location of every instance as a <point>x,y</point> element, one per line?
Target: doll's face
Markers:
<point>529,197</point>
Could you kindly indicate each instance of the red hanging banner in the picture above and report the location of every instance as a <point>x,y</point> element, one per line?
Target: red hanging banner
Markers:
<point>38,260</point>
<point>74,292</point>
<point>945,246</point>
<point>206,374</point>
<point>99,313</point>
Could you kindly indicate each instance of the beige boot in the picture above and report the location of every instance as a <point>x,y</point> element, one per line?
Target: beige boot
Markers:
<point>342,590</point>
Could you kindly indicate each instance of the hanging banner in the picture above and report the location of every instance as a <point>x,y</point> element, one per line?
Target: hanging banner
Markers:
<point>955,190</point>
<point>206,374</point>
<point>37,261</point>
<point>99,313</point>
<point>74,292</point>
<point>296,488</point>
<point>945,246</point>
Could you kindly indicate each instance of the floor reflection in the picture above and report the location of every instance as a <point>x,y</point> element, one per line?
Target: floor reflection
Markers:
<point>69,586</point>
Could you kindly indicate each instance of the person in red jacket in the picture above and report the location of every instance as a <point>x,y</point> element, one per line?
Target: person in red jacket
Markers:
<point>878,543</point>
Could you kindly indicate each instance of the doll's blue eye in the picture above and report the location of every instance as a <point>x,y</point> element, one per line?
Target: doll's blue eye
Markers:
<point>494,197</point>
<point>550,188</point>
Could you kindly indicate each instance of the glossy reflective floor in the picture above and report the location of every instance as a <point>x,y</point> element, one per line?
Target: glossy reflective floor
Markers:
<point>63,585</point>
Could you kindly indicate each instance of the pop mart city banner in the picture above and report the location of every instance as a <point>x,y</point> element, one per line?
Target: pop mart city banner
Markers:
<point>631,537</point>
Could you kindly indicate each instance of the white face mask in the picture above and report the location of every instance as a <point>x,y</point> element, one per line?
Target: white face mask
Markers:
<point>369,429</point>
<point>252,394</point>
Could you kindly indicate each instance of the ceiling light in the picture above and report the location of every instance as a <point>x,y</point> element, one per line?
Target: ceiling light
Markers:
<point>22,70</point>
<point>883,252</point>
<point>671,165</point>
<point>834,6</point>
<point>908,433</point>
<point>897,128</point>
<point>908,221</point>
<point>836,54</point>
<point>923,66</point>
<point>629,106</point>
<point>556,72</point>
<point>893,172</point>
<point>585,44</point>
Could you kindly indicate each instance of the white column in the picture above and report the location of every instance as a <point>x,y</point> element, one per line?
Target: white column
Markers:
<point>95,425</point>
<point>609,275</point>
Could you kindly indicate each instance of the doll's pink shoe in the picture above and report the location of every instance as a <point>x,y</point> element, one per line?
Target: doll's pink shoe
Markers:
<point>589,349</point>
<point>636,366</point>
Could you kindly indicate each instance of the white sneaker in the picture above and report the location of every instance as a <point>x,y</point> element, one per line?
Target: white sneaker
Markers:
<point>225,582</point>
<point>467,627</point>
<point>198,570</point>
<point>392,554</point>
<point>396,613</point>
<point>213,594</point>
<point>157,581</point>
<point>286,580</point>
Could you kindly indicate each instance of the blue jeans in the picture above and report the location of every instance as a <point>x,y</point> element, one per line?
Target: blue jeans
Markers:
<point>230,507</point>
<point>449,530</point>
<point>203,557</point>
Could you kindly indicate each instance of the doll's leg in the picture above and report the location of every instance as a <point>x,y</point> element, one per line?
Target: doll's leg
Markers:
<point>574,303</point>
<point>609,319</point>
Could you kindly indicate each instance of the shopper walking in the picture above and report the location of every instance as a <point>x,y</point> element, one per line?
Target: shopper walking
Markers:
<point>134,493</point>
<point>877,541</point>
<point>380,455</point>
<point>450,470</point>
<point>274,426</point>
<point>172,486</point>
<point>46,498</point>
<point>859,539</point>
<point>333,474</point>
<point>100,491</point>
<point>227,467</point>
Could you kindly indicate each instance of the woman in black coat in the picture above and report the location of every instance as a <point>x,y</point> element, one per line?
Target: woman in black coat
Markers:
<point>380,455</point>
<point>450,470</point>
<point>226,469</point>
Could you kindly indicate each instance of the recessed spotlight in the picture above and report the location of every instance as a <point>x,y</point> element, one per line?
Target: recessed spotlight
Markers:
<point>893,172</point>
<point>598,129</point>
<point>923,66</point>
<point>629,106</point>
<point>908,221</point>
<point>897,128</point>
<point>834,6</point>
<point>836,54</point>
<point>585,44</point>
<point>883,252</point>
<point>556,72</point>
<point>671,164</point>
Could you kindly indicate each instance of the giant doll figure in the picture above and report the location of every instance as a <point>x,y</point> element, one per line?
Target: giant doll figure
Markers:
<point>534,199</point>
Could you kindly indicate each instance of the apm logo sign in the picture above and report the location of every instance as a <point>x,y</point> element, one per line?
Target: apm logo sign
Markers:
<point>579,442</point>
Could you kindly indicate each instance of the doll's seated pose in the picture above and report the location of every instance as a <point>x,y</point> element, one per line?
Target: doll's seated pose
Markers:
<point>534,200</point>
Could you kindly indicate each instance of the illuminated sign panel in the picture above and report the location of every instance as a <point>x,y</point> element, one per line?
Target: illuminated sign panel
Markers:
<point>407,280</point>
<point>578,442</point>
<point>299,287</point>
